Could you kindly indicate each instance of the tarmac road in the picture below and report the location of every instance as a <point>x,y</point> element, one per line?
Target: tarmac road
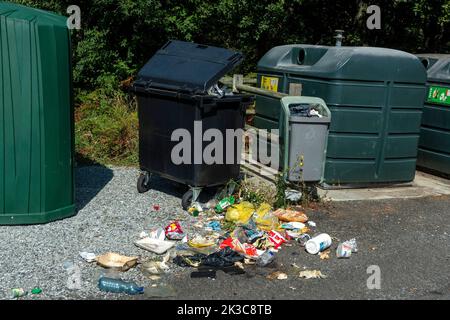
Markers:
<point>408,239</point>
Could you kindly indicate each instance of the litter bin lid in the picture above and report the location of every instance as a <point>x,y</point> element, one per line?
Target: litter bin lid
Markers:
<point>187,67</point>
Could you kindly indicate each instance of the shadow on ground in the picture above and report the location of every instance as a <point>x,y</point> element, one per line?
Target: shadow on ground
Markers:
<point>90,178</point>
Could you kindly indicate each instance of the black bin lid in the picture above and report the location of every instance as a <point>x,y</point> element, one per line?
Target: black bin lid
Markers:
<point>187,67</point>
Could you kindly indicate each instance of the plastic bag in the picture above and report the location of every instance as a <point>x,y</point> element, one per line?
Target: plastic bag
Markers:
<point>265,219</point>
<point>223,258</point>
<point>240,213</point>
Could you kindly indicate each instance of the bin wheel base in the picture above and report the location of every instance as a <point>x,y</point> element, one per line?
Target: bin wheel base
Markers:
<point>190,196</point>
<point>186,201</point>
<point>143,183</point>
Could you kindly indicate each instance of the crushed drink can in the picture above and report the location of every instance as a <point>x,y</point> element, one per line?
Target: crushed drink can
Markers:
<point>344,250</point>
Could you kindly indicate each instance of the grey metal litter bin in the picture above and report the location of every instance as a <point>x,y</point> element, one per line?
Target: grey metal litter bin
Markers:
<point>306,138</point>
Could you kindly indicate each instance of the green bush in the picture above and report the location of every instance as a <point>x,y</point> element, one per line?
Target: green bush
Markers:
<point>106,130</point>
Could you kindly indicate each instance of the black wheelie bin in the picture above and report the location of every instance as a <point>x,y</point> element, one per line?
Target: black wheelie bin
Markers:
<point>181,109</point>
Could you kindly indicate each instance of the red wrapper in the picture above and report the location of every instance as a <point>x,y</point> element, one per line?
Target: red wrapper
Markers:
<point>174,227</point>
<point>276,238</point>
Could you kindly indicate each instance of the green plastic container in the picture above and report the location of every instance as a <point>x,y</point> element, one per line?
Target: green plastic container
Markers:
<point>376,99</point>
<point>434,145</point>
<point>36,117</point>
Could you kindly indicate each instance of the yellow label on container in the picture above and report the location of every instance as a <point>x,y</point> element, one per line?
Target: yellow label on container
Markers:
<point>269,83</point>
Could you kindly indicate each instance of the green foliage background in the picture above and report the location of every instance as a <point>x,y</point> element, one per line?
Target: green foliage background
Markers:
<point>119,36</point>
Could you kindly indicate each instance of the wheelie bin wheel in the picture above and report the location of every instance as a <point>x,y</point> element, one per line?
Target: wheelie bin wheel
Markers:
<point>186,201</point>
<point>143,183</point>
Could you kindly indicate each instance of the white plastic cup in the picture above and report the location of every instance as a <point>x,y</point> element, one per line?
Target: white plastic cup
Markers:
<point>318,244</point>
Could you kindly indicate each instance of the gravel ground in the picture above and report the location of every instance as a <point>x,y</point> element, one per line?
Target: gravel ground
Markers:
<point>408,239</point>
<point>111,216</point>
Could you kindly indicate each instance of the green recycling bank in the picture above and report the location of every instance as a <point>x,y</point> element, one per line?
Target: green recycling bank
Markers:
<point>434,147</point>
<point>376,99</point>
<point>36,117</point>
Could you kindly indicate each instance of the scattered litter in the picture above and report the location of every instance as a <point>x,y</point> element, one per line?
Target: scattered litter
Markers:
<point>264,218</point>
<point>18,293</point>
<point>297,234</point>
<point>293,195</point>
<point>156,267</point>
<point>189,261</point>
<point>325,255</point>
<point>312,274</point>
<point>143,234</point>
<point>293,226</point>
<point>288,215</point>
<point>224,203</point>
<point>276,238</point>
<point>345,249</point>
<point>195,209</point>
<point>213,226</point>
<point>277,275</point>
<point>211,204</point>
<point>173,231</point>
<point>247,249</point>
<point>156,207</point>
<point>154,245</point>
<point>88,256</point>
<point>240,213</point>
<point>223,258</point>
<point>265,259</point>
<point>157,234</point>
<point>36,290</point>
<point>312,224</point>
<point>353,244</point>
<point>154,277</point>
<point>119,286</point>
<point>116,261</point>
<point>318,244</point>
<point>201,242</point>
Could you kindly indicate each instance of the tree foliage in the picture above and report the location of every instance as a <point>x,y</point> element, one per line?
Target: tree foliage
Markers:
<point>118,36</point>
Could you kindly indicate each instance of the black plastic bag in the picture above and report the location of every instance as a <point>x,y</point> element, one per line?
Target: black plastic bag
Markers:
<point>223,258</point>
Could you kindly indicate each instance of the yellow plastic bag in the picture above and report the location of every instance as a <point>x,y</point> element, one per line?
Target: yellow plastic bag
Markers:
<point>240,213</point>
<point>264,218</point>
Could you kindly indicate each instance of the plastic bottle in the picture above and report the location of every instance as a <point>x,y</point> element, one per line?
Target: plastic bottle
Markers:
<point>224,203</point>
<point>265,259</point>
<point>119,286</point>
<point>318,244</point>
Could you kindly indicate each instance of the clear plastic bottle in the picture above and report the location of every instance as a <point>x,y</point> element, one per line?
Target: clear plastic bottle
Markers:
<point>265,259</point>
<point>119,286</point>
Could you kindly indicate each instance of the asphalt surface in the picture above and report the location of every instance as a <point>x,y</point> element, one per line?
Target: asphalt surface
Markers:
<point>409,240</point>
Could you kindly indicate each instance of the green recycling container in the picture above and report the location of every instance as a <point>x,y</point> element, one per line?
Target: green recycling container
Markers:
<point>36,117</point>
<point>376,99</point>
<point>434,144</point>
